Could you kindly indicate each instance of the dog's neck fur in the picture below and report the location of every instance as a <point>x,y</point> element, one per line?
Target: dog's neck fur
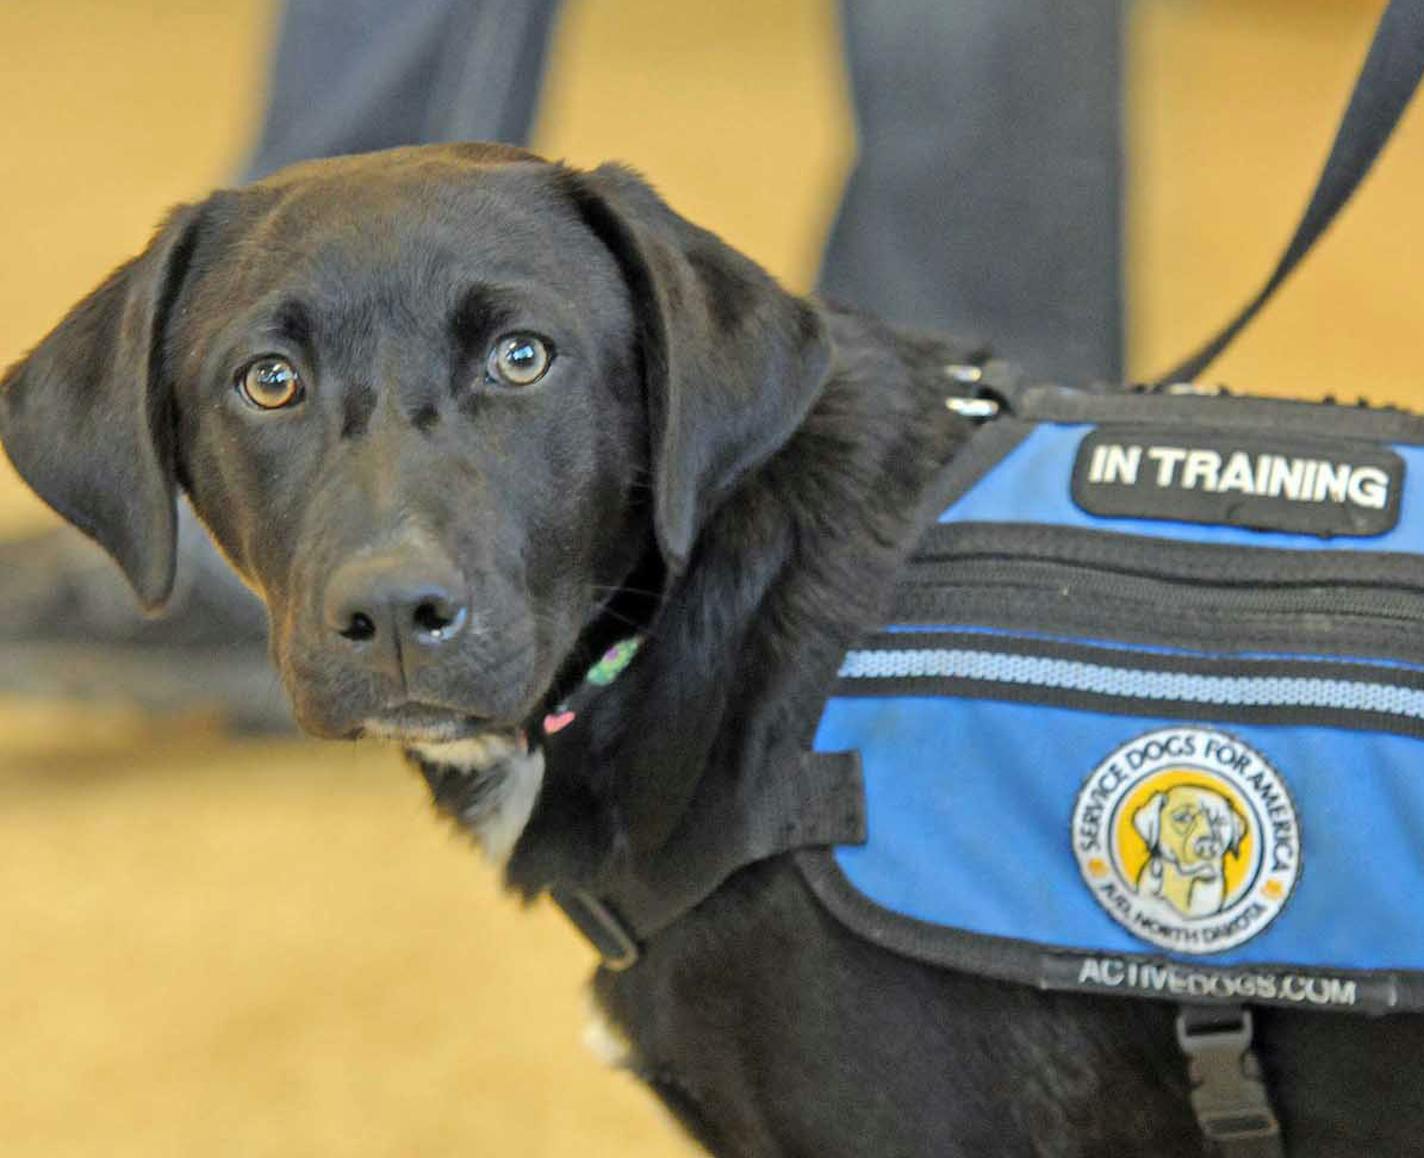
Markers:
<point>795,564</point>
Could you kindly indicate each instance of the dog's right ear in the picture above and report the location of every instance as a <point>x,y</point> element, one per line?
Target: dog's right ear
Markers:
<point>85,418</point>
<point>732,362</point>
<point>1147,820</point>
<point>1238,830</point>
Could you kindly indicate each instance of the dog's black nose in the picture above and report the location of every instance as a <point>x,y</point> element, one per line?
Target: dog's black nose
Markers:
<point>396,610</point>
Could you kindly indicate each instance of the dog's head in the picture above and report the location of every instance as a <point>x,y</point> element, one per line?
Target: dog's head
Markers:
<point>434,405</point>
<point>1192,828</point>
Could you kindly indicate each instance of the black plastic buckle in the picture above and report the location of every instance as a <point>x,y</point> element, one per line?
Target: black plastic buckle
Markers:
<point>1228,1095</point>
<point>601,925</point>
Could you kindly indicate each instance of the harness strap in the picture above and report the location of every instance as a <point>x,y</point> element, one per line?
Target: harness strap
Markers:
<point>815,800</point>
<point>604,929</point>
<point>1386,83</point>
<point>1228,1096</point>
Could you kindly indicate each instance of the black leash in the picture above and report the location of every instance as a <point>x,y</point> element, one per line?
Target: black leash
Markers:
<point>1229,1096</point>
<point>1386,83</point>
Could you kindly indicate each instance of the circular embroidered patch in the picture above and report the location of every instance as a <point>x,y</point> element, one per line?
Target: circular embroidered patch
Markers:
<point>1188,838</point>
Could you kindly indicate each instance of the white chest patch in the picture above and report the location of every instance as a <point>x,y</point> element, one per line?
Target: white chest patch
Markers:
<point>603,1039</point>
<point>511,777</point>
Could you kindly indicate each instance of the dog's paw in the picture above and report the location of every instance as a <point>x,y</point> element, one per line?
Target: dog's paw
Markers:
<point>488,785</point>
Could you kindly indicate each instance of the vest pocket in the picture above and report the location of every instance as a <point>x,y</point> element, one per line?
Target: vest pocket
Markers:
<point>1197,598</point>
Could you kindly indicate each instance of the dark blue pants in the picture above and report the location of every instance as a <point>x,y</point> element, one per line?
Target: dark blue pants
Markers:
<point>986,197</point>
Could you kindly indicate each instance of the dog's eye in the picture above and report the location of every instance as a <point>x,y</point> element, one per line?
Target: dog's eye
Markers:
<point>270,384</point>
<point>518,360</point>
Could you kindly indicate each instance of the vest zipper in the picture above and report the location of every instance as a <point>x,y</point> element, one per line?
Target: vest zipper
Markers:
<point>1175,601</point>
<point>1379,602</point>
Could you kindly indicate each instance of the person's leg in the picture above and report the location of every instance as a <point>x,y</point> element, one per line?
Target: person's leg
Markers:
<point>986,199</point>
<point>353,76</point>
<point>347,76</point>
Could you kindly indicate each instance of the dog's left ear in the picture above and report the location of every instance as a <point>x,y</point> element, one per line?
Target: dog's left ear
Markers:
<point>85,416</point>
<point>1147,820</point>
<point>732,361</point>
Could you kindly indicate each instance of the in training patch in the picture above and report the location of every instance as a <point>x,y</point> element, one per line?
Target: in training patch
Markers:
<point>1262,481</point>
<point>1188,838</point>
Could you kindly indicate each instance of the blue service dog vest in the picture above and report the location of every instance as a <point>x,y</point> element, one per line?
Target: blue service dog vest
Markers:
<point>1149,716</point>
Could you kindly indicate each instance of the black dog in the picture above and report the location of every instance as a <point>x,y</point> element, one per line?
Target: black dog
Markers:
<point>463,418</point>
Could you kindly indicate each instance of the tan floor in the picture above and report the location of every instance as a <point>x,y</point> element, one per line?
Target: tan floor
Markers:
<point>273,949</point>
<point>1233,105</point>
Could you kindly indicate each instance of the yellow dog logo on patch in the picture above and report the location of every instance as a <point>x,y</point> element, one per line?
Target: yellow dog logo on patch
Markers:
<point>1188,831</point>
<point>1188,838</point>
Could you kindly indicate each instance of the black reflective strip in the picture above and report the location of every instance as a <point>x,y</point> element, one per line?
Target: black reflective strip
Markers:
<point>1143,661</point>
<point>1055,674</point>
<point>1359,721</point>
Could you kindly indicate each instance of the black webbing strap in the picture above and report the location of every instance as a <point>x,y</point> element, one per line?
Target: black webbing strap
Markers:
<point>813,801</point>
<point>1387,82</point>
